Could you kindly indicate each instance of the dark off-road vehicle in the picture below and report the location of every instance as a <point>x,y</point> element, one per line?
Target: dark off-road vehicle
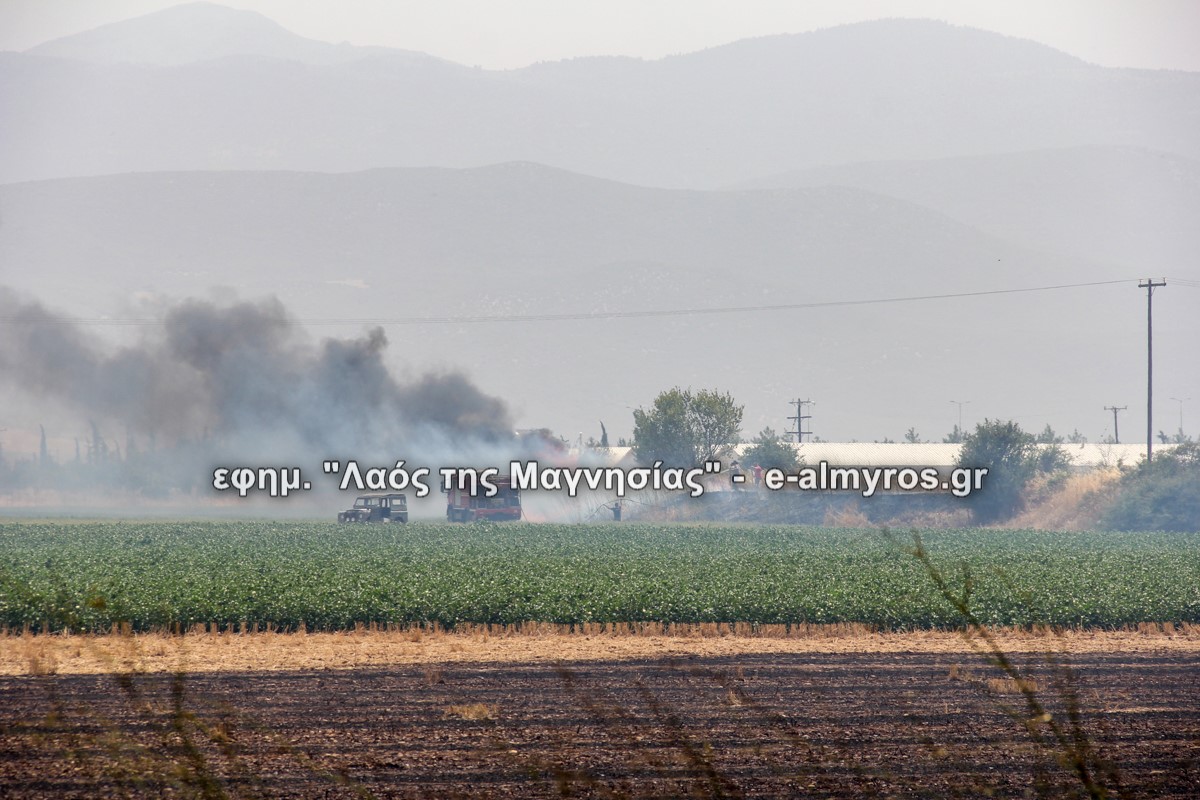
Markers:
<point>381,507</point>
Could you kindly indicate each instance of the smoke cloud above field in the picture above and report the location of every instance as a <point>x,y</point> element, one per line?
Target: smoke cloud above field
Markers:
<point>242,379</point>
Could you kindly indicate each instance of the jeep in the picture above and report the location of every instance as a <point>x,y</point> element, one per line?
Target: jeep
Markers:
<point>377,508</point>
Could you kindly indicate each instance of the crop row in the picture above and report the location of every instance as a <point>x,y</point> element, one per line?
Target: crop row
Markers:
<point>90,576</point>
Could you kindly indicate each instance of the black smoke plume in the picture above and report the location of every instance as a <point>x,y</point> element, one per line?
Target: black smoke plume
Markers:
<point>241,380</point>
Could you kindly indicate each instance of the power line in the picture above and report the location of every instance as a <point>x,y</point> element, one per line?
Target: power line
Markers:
<point>588,315</point>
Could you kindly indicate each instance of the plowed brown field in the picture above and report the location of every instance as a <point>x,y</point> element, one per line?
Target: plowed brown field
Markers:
<point>386,715</point>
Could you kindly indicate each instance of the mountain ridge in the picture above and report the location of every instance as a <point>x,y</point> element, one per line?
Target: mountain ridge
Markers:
<point>200,31</point>
<point>249,32</point>
<point>1100,202</point>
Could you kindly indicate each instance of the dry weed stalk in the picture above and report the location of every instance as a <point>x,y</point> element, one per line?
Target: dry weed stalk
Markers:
<point>1012,686</point>
<point>847,517</point>
<point>39,654</point>
<point>1070,743</point>
<point>1076,504</point>
<point>434,675</point>
<point>474,712</point>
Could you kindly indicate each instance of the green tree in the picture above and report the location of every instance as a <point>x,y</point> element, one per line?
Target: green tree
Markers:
<point>684,428</point>
<point>770,451</point>
<point>1048,436</point>
<point>954,437</point>
<point>911,436</point>
<point>1012,458</point>
<point>1051,457</point>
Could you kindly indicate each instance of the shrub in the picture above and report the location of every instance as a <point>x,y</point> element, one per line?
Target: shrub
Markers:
<point>769,451</point>
<point>1162,495</point>
<point>1012,458</point>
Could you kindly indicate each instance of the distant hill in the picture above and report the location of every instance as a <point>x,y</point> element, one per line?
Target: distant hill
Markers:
<point>193,32</point>
<point>243,93</point>
<point>516,229</point>
<point>1111,204</point>
<point>522,239</point>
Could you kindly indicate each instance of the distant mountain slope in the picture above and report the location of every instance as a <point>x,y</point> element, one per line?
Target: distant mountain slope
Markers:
<point>521,239</point>
<point>1109,204</point>
<point>514,228</point>
<point>193,32</point>
<point>885,90</point>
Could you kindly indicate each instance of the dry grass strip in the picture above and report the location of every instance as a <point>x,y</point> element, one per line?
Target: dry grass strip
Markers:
<point>211,650</point>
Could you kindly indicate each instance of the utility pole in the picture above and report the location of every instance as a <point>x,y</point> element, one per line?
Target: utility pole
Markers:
<point>1149,285</point>
<point>1116,430</point>
<point>799,433</point>
<point>1180,400</point>
<point>960,404</point>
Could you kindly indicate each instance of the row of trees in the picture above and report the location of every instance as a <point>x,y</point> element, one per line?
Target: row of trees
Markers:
<point>685,428</point>
<point>1048,436</point>
<point>98,465</point>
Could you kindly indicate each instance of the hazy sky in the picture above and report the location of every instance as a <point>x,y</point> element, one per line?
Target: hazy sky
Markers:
<point>1120,33</point>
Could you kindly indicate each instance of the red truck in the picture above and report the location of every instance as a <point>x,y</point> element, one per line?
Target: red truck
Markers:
<point>467,502</point>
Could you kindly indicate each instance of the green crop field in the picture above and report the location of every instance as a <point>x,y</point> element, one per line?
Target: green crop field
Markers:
<point>90,576</point>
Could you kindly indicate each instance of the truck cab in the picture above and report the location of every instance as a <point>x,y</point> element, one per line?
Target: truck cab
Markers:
<point>467,503</point>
